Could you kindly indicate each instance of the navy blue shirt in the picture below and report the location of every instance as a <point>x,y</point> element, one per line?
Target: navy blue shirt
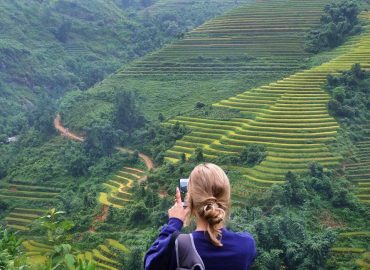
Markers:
<point>237,253</point>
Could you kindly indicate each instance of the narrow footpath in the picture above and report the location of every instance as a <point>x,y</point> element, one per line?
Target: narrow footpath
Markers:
<point>102,217</point>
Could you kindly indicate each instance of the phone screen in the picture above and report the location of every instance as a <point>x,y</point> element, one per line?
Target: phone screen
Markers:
<point>184,189</point>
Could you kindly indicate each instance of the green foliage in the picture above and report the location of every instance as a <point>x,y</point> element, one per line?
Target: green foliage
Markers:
<point>253,154</point>
<point>75,159</point>
<point>128,116</point>
<point>155,139</point>
<point>134,260</point>
<point>57,232</point>
<point>286,220</point>
<point>350,101</point>
<point>9,242</point>
<point>339,22</point>
<point>63,31</point>
<point>217,113</point>
<point>100,140</point>
<point>198,155</point>
<point>294,189</point>
<point>41,118</point>
<point>11,256</point>
<point>56,228</point>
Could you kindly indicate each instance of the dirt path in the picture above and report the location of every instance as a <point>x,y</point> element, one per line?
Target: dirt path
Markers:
<point>147,160</point>
<point>65,132</point>
<point>100,218</point>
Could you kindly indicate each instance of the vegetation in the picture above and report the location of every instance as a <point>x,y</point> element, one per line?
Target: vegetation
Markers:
<point>50,47</point>
<point>286,222</point>
<point>288,154</point>
<point>339,22</point>
<point>173,80</point>
<point>350,101</point>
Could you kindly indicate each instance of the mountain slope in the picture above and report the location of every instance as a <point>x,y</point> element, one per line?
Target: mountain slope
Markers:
<point>289,117</point>
<point>248,46</point>
<point>50,47</point>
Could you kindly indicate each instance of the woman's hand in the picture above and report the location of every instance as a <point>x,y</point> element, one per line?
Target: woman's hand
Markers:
<point>177,210</point>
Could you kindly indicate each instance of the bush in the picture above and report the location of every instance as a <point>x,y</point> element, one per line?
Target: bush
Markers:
<point>253,154</point>
<point>349,95</point>
<point>338,22</point>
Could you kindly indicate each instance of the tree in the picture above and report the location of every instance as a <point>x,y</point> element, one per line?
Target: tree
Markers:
<point>253,154</point>
<point>63,31</point>
<point>3,206</point>
<point>57,232</point>
<point>138,214</point>
<point>338,22</point>
<point>127,113</point>
<point>2,169</point>
<point>183,158</point>
<point>294,189</point>
<point>161,117</point>
<point>43,115</point>
<point>199,105</point>
<point>198,153</point>
<point>134,259</point>
<point>100,140</point>
<point>11,255</point>
<point>75,160</point>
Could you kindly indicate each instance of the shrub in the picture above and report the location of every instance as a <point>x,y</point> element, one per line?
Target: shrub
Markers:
<point>349,95</point>
<point>338,22</point>
<point>253,154</point>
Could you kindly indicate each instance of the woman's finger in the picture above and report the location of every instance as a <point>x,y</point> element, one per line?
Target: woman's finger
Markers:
<point>178,196</point>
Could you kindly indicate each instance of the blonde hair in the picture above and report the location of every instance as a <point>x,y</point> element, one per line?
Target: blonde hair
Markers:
<point>209,198</point>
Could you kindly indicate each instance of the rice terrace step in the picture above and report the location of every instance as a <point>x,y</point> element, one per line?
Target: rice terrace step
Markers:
<point>118,187</point>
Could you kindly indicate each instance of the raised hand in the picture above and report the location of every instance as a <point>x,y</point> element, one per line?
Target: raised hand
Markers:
<point>177,210</point>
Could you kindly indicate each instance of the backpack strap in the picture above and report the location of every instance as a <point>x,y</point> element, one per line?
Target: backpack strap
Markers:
<point>187,256</point>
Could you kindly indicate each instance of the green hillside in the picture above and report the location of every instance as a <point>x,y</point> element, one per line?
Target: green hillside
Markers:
<point>50,47</point>
<point>289,117</point>
<point>239,91</point>
<point>247,46</point>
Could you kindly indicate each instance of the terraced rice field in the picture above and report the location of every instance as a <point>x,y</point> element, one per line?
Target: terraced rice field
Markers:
<point>106,256</point>
<point>21,191</point>
<point>162,6</point>
<point>359,172</point>
<point>118,194</point>
<point>36,252</point>
<point>261,37</point>
<point>20,218</point>
<point>289,117</point>
<point>353,247</point>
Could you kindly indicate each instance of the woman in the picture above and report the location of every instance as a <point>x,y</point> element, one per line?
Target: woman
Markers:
<point>208,201</point>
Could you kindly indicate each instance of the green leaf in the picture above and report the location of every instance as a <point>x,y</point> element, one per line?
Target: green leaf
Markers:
<point>70,261</point>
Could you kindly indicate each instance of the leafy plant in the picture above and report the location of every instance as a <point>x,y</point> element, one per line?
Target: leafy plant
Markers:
<point>339,22</point>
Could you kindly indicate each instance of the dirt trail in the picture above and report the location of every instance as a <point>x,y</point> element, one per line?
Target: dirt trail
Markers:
<point>100,218</point>
<point>147,160</point>
<point>65,132</point>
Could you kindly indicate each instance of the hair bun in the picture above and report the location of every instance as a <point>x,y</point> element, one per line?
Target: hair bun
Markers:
<point>212,212</point>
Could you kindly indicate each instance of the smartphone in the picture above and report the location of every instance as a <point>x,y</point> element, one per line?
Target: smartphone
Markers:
<point>183,190</point>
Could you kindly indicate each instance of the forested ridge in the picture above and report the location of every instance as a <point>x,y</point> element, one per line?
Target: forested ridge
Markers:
<point>51,47</point>
<point>89,188</point>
